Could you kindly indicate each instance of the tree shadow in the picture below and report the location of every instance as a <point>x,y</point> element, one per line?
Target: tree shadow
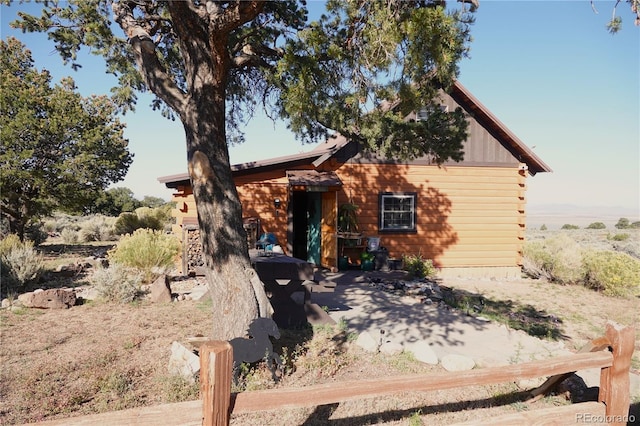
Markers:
<point>525,317</point>
<point>322,414</point>
<point>433,234</point>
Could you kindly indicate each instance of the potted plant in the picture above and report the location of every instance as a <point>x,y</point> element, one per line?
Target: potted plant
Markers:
<point>367,260</point>
<point>348,219</point>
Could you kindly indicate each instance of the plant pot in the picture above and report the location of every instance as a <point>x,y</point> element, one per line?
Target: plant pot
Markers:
<point>343,263</point>
<point>367,265</point>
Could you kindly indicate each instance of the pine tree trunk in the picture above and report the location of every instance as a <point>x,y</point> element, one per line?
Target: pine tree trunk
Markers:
<point>238,296</point>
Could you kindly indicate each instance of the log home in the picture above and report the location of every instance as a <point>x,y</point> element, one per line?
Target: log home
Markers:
<point>469,217</point>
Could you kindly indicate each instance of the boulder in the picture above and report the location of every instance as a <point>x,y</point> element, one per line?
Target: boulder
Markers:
<point>367,342</point>
<point>454,362</point>
<point>391,348</point>
<point>53,298</point>
<point>423,352</point>
<point>183,362</point>
<point>160,290</point>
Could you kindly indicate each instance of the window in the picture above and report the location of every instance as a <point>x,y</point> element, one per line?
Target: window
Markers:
<point>424,112</point>
<point>397,211</point>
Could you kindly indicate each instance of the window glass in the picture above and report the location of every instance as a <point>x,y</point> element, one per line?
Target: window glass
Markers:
<point>397,212</point>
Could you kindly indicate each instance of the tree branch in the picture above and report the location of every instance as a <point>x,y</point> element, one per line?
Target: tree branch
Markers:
<point>152,70</point>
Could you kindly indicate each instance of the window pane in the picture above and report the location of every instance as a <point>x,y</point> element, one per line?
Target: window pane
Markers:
<point>397,211</point>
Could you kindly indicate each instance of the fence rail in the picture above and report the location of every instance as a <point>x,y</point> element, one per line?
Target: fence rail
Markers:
<point>218,403</point>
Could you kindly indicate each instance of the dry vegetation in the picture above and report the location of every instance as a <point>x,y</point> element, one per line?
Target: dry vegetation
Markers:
<point>100,357</point>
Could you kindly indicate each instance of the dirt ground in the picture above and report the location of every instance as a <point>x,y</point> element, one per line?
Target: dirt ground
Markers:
<point>101,357</point>
<point>583,313</point>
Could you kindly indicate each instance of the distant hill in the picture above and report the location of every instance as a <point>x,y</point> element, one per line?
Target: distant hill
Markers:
<point>556,215</point>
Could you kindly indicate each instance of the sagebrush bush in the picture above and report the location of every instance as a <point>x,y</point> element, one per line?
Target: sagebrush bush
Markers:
<point>20,263</point>
<point>558,258</point>
<point>615,274</point>
<point>151,252</point>
<point>69,236</point>
<point>117,283</point>
<point>144,217</point>
<point>61,221</point>
<point>97,228</point>
<point>620,237</point>
<point>418,267</point>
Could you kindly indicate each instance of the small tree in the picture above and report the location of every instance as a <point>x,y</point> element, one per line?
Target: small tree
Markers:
<point>59,150</point>
<point>597,225</point>
<point>623,223</point>
<point>359,70</point>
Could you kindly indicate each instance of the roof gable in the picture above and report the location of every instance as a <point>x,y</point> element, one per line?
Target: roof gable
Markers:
<point>339,148</point>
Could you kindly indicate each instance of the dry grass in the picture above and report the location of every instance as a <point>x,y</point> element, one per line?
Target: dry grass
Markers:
<point>102,357</point>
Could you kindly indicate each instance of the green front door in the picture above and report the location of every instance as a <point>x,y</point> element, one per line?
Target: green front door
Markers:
<point>314,215</point>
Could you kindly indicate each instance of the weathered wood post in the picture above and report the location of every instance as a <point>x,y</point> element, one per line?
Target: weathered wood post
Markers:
<point>614,380</point>
<point>216,363</point>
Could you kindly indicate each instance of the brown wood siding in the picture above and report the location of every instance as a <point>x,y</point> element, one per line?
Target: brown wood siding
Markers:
<point>257,201</point>
<point>466,216</point>
<point>481,146</point>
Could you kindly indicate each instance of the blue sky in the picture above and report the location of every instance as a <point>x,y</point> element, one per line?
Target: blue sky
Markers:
<point>549,70</point>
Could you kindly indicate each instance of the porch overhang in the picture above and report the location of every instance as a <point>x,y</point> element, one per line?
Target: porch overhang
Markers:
<point>313,180</point>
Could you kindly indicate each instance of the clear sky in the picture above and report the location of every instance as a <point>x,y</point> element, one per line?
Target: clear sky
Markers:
<point>549,70</point>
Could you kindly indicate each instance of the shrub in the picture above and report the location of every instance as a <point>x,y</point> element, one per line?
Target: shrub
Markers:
<point>569,226</point>
<point>596,225</point>
<point>620,237</point>
<point>543,227</point>
<point>623,223</point>
<point>117,283</point>
<point>417,267</point>
<point>20,263</point>
<point>35,233</point>
<point>144,217</point>
<point>558,258</point>
<point>69,236</point>
<point>615,274</point>
<point>151,252</point>
<point>97,228</point>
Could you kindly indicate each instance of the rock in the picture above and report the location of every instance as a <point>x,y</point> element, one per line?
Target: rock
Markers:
<point>200,293</point>
<point>367,342</point>
<point>423,352</point>
<point>184,362</point>
<point>86,293</point>
<point>391,348</point>
<point>54,298</point>
<point>160,290</point>
<point>26,298</point>
<point>453,362</point>
<point>6,303</point>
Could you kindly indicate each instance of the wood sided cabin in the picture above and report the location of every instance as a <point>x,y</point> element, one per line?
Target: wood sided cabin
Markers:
<point>469,217</point>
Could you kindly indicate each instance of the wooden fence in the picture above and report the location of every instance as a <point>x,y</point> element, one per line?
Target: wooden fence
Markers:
<point>612,354</point>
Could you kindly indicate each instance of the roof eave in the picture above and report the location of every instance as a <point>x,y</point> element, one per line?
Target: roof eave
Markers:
<point>527,156</point>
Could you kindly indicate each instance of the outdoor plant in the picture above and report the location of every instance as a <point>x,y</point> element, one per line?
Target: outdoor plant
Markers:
<point>417,267</point>
<point>69,236</point>
<point>615,274</point>
<point>117,283</point>
<point>596,225</point>
<point>151,252</point>
<point>20,263</point>
<point>348,218</point>
<point>97,228</point>
<point>558,259</point>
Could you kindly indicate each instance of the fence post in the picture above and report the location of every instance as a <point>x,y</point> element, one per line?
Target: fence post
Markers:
<point>614,380</point>
<point>216,362</point>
